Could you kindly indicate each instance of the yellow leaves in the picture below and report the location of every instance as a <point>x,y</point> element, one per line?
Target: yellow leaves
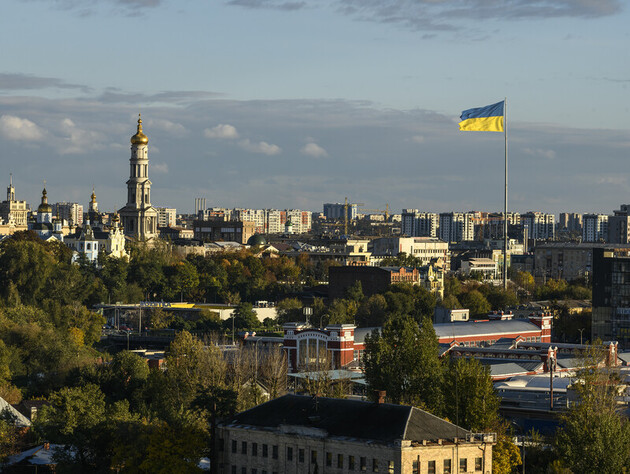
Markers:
<point>76,336</point>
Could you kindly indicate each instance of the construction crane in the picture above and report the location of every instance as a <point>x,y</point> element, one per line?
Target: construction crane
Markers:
<point>379,211</point>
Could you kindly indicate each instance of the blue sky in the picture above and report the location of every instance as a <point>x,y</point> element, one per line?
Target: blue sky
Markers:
<point>289,103</point>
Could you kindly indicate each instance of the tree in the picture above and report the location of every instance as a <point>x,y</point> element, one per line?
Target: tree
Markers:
<point>505,455</point>
<point>471,401</point>
<point>245,317</point>
<point>594,436</point>
<point>289,310</point>
<point>475,302</point>
<point>191,367</point>
<point>355,292</point>
<point>403,360</point>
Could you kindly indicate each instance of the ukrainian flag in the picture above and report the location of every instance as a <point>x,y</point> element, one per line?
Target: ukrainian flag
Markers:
<point>483,119</point>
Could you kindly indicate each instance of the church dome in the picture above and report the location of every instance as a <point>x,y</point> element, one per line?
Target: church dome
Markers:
<point>44,207</point>
<point>257,239</point>
<point>139,138</point>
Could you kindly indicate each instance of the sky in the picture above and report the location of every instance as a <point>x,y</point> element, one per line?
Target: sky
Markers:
<point>294,103</point>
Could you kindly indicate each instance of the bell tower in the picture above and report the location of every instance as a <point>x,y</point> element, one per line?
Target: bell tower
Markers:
<point>139,217</point>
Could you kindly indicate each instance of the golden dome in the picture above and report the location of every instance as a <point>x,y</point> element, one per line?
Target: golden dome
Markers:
<point>44,207</point>
<point>139,138</point>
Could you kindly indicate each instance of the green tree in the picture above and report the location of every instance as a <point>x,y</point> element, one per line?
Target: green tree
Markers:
<point>471,401</point>
<point>244,317</point>
<point>289,310</point>
<point>594,436</point>
<point>403,360</point>
<point>191,367</point>
<point>475,302</point>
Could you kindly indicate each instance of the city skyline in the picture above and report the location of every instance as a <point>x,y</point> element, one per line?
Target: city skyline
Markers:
<point>288,104</point>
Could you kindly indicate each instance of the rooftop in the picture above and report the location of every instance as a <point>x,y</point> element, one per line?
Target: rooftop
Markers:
<point>385,423</point>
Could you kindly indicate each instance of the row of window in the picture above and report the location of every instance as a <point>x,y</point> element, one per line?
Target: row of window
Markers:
<point>339,461</point>
<point>447,467</point>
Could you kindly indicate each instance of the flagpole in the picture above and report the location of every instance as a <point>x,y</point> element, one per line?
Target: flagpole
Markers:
<point>505,208</point>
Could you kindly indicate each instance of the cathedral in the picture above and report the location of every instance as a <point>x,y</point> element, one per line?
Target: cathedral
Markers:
<point>139,217</point>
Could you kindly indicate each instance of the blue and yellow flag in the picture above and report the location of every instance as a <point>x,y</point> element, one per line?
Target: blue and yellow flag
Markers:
<point>483,119</point>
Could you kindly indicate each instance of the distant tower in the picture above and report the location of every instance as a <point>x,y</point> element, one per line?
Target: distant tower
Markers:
<point>139,217</point>
<point>93,215</point>
<point>11,190</point>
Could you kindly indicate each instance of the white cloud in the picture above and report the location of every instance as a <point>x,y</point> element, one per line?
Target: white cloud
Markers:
<point>16,128</point>
<point>224,131</point>
<point>166,125</point>
<point>548,154</point>
<point>159,168</point>
<point>74,139</point>
<point>417,139</point>
<point>260,147</point>
<point>314,150</point>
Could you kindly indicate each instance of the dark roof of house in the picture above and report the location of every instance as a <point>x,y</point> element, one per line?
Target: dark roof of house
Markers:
<point>350,419</point>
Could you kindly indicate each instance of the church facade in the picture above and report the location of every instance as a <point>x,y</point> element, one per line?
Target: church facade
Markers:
<point>139,217</point>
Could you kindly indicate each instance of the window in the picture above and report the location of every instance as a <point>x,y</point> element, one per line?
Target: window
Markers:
<point>351,463</point>
<point>254,471</point>
<point>363,463</point>
<point>416,467</point>
<point>274,451</point>
<point>233,469</point>
<point>431,467</point>
<point>289,454</point>
<point>374,465</point>
<point>264,451</point>
<point>254,449</point>
<point>390,467</point>
<point>313,457</point>
<point>340,461</point>
<point>221,444</point>
<point>243,470</point>
<point>244,447</point>
<point>234,446</point>
<point>300,455</point>
<point>447,466</point>
<point>328,459</point>
<point>478,464</point>
<point>463,465</point>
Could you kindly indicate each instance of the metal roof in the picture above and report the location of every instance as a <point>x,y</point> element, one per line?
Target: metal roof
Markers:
<point>484,328</point>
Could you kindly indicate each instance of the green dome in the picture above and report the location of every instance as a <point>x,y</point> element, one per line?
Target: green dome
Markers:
<point>257,239</point>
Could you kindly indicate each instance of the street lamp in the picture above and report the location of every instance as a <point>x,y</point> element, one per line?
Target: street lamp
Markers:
<point>581,331</point>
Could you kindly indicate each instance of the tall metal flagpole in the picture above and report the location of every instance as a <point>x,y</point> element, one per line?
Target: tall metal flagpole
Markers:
<point>505,208</point>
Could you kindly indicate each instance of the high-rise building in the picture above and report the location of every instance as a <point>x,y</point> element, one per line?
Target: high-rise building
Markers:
<point>570,222</point>
<point>540,226</point>
<point>70,212</point>
<point>611,296</point>
<point>167,217</point>
<point>619,226</point>
<point>336,211</point>
<point>594,227</point>
<point>139,217</point>
<point>456,226</point>
<point>419,224</point>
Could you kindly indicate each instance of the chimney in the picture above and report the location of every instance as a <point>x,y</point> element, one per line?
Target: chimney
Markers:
<point>380,396</point>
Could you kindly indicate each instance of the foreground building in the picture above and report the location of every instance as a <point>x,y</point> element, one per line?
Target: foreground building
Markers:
<point>611,296</point>
<point>299,434</point>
